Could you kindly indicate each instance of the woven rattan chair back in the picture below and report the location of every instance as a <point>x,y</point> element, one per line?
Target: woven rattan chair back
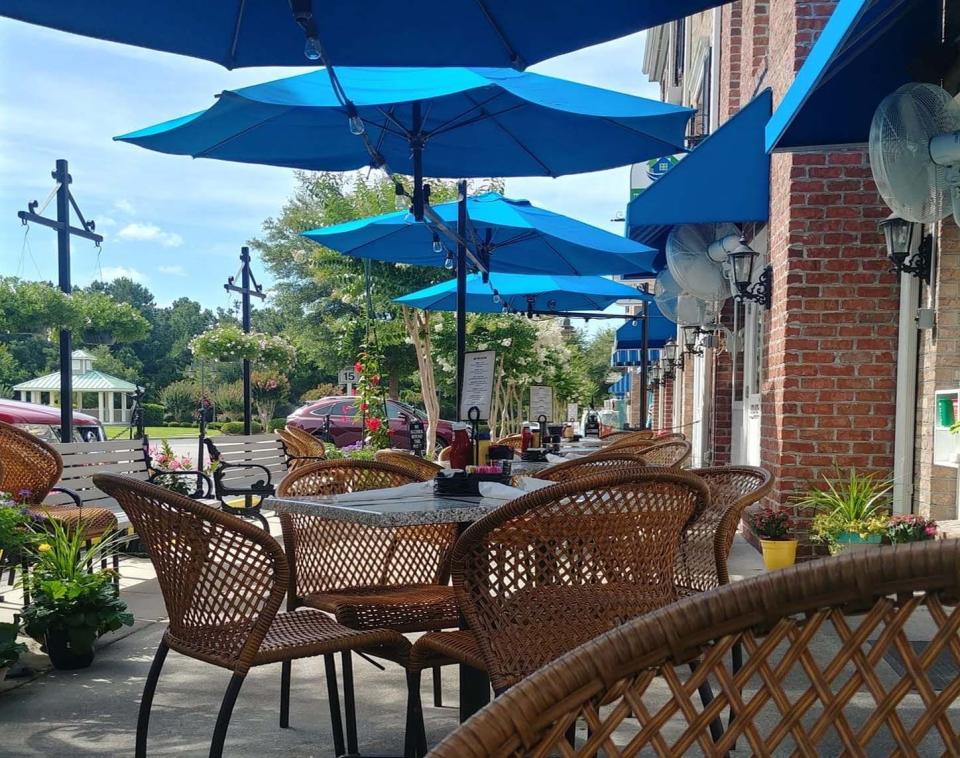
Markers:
<point>702,560</point>
<point>309,445</point>
<point>444,454</point>
<point>329,555</point>
<point>554,568</point>
<point>594,464</point>
<point>670,454</point>
<point>511,440</point>
<point>631,438</point>
<point>31,467</point>
<point>222,578</point>
<point>831,668</point>
<point>423,469</point>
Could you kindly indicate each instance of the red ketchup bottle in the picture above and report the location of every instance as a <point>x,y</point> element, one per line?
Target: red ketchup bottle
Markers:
<point>460,448</point>
<point>526,437</point>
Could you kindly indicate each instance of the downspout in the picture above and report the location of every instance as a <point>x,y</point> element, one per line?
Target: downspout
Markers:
<point>906,399</point>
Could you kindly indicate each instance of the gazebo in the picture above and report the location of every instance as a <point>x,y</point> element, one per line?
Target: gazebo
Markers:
<point>113,405</point>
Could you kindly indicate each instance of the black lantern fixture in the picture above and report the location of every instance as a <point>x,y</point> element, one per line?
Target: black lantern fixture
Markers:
<point>653,376</point>
<point>690,335</point>
<point>742,261</point>
<point>899,235</point>
<point>667,371</point>
<point>673,355</point>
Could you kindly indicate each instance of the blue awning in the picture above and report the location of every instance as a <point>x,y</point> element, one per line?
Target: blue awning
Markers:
<point>867,49</point>
<point>622,386</point>
<point>629,358</point>
<point>660,330</point>
<point>725,178</point>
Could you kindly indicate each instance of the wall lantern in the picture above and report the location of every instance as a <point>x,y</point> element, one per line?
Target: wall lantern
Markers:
<point>653,376</point>
<point>742,261</point>
<point>690,335</point>
<point>666,369</point>
<point>899,235</point>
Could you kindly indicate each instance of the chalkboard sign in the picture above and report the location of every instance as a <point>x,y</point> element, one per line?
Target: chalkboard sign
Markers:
<point>418,437</point>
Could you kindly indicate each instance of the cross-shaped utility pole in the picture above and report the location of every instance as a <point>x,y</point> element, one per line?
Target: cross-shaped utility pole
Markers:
<point>64,231</point>
<point>245,290</point>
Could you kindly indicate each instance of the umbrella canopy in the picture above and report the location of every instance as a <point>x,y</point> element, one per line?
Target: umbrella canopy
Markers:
<point>519,293</point>
<point>236,33</point>
<point>511,236</point>
<point>465,122</point>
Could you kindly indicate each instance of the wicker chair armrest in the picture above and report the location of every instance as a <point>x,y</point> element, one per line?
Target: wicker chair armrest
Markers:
<point>69,493</point>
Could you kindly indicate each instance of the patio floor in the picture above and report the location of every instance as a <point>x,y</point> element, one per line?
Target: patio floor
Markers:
<point>93,712</point>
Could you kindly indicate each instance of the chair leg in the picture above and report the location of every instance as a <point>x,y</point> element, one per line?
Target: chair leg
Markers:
<point>706,697</point>
<point>285,671</point>
<point>146,700</point>
<point>263,520</point>
<point>89,546</point>
<point>334,697</point>
<point>415,739</point>
<point>25,578</point>
<point>437,688</point>
<point>223,717</point>
<point>349,703</point>
<point>116,570</point>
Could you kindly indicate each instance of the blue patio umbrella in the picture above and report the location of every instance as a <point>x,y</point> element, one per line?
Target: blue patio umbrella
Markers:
<point>521,293</point>
<point>511,236</point>
<point>453,122</point>
<point>237,33</point>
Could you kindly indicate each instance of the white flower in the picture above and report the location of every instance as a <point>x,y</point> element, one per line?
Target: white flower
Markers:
<point>507,342</point>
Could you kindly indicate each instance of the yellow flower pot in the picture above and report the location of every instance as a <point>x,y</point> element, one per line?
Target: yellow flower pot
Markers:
<point>778,553</point>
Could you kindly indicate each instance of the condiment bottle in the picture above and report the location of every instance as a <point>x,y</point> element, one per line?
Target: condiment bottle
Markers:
<point>460,448</point>
<point>526,437</point>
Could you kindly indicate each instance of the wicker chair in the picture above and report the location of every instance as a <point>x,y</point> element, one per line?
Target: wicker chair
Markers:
<point>593,464</point>
<point>420,467</point>
<point>670,454</point>
<point>821,638</point>
<point>31,469</point>
<point>223,581</point>
<point>368,577</point>
<point>310,446</point>
<point>513,440</point>
<point>554,568</point>
<point>702,560</point>
<point>444,455</point>
<point>617,437</point>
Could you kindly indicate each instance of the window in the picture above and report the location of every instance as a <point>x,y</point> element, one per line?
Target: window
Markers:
<point>323,410</point>
<point>679,49</point>
<point>706,96</point>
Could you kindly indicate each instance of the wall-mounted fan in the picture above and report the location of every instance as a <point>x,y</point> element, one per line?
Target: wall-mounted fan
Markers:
<point>915,152</point>
<point>697,258</point>
<point>679,306</point>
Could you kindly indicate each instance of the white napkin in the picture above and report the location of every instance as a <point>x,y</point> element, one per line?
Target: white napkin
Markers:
<point>525,484</point>
<point>532,484</point>
<point>389,493</point>
<point>551,458</point>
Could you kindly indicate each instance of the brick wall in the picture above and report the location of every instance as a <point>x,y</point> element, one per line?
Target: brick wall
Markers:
<point>730,55</point>
<point>828,396</point>
<point>723,394</point>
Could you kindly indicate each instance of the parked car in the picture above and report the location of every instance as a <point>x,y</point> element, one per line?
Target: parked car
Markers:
<point>43,421</point>
<point>344,428</point>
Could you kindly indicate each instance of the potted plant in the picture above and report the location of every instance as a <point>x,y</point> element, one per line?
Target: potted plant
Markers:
<point>15,528</point>
<point>10,649</point>
<point>70,608</point>
<point>104,321</point>
<point>911,528</point>
<point>851,511</point>
<point>774,527</point>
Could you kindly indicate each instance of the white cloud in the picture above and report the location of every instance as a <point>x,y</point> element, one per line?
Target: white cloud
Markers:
<point>138,232</point>
<point>109,273</point>
<point>172,270</point>
<point>105,221</point>
<point>124,206</point>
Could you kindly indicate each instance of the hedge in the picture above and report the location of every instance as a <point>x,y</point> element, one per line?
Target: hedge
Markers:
<point>277,423</point>
<point>152,414</point>
<point>236,427</point>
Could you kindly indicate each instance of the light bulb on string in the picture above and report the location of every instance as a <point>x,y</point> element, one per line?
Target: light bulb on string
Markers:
<point>496,297</point>
<point>448,262</point>
<point>633,322</point>
<point>357,126</point>
<point>437,246</point>
<point>311,49</point>
<point>505,308</point>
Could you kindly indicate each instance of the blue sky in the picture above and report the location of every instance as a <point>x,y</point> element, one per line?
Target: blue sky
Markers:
<point>174,223</point>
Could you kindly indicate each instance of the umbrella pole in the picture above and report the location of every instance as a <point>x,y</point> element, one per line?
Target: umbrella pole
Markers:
<point>416,145</point>
<point>644,345</point>
<point>461,285</point>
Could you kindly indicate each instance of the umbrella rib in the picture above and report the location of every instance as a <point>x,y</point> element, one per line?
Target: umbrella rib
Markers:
<point>513,137</point>
<point>515,59</point>
<point>236,135</point>
<point>451,123</point>
<point>632,130</point>
<point>241,7</point>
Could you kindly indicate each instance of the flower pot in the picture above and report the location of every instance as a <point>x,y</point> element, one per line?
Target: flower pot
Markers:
<point>62,656</point>
<point>778,553</point>
<point>853,541</point>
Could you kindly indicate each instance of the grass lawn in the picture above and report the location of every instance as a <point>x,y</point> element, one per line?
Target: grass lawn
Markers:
<point>160,432</point>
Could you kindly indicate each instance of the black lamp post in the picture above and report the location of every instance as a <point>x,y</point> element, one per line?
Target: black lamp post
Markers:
<point>899,235</point>
<point>742,261</point>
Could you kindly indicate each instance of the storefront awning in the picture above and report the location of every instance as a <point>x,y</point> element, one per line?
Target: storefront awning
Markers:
<point>632,357</point>
<point>867,49</point>
<point>622,386</point>
<point>725,178</point>
<point>630,337</point>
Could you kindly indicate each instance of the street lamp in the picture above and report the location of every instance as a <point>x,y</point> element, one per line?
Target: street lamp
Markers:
<point>899,234</point>
<point>742,261</point>
<point>690,334</point>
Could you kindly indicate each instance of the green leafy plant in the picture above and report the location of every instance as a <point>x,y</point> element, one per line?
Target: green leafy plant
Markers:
<point>857,503</point>
<point>10,649</point>
<point>66,599</point>
<point>772,523</point>
<point>100,314</point>
<point>228,342</point>
<point>180,399</point>
<point>236,427</point>
<point>370,397</point>
<point>16,530</point>
<point>267,389</point>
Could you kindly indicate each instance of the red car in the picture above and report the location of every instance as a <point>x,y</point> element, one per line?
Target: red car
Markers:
<point>344,429</point>
<point>43,421</point>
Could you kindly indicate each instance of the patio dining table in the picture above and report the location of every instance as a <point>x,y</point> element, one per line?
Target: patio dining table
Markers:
<point>406,510</point>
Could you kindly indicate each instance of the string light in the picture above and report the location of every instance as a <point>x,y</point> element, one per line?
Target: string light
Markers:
<point>496,297</point>
<point>448,261</point>
<point>311,49</point>
<point>437,246</point>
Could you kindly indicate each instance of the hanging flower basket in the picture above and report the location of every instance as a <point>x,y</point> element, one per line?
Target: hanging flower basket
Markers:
<point>228,343</point>
<point>97,337</point>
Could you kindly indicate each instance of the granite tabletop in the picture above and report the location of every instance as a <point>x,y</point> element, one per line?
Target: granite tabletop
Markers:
<point>409,510</point>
